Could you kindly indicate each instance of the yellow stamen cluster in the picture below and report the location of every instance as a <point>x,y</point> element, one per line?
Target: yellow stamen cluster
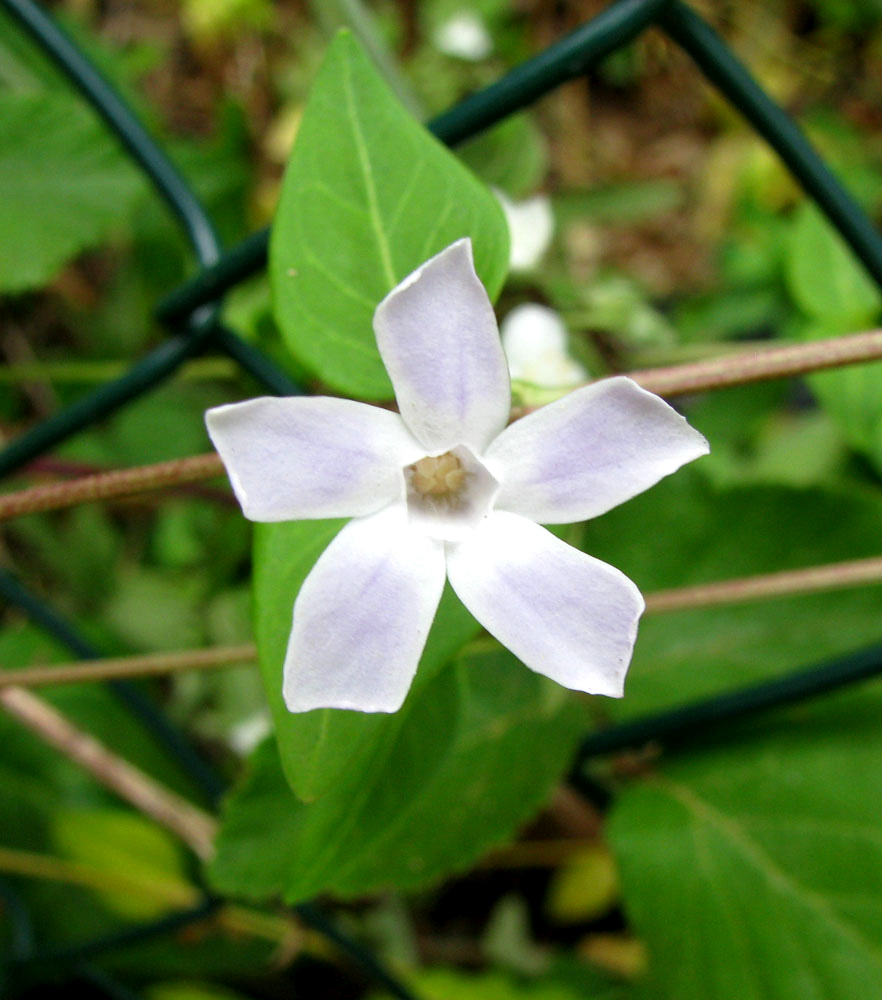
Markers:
<point>440,477</point>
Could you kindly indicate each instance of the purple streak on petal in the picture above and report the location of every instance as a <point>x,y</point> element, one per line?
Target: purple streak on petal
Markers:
<point>438,338</point>
<point>362,617</point>
<point>562,612</point>
<point>590,451</point>
<point>311,457</point>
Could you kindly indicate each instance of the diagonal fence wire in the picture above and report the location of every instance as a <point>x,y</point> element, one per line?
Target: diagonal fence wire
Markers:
<point>720,65</point>
<point>687,723</point>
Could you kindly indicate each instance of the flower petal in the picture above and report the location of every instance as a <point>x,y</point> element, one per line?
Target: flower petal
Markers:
<point>311,457</point>
<point>438,338</point>
<point>562,612</point>
<point>362,617</point>
<point>590,451</point>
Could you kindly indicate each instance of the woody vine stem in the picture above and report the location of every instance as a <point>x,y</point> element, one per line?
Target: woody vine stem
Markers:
<point>758,364</point>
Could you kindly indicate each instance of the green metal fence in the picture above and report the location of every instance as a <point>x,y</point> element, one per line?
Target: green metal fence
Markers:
<point>190,313</point>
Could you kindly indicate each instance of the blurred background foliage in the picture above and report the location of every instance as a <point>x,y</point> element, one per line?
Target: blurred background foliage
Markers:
<point>676,233</point>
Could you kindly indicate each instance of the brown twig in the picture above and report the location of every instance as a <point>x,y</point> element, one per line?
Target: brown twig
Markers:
<point>118,483</point>
<point>129,666</point>
<point>751,588</point>
<point>54,467</point>
<point>195,827</point>
<point>760,364</point>
<point>833,576</point>
<point>678,380</point>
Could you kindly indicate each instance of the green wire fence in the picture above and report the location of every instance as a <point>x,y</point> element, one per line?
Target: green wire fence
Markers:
<point>190,314</point>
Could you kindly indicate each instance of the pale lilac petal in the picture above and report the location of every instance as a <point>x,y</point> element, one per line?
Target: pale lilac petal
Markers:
<point>438,338</point>
<point>310,457</point>
<point>562,612</point>
<point>362,617</point>
<point>590,451</point>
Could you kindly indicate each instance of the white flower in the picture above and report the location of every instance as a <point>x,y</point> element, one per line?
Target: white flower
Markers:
<point>447,488</point>
<point>530,228</point>
<point>464,36</point>
<point>534,339</point>
<point>245,735</point>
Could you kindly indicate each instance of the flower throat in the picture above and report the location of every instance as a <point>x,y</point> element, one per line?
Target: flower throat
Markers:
<point>443,476</point>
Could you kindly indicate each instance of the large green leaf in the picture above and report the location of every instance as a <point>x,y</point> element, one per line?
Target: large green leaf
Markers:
<point>65,183</point>
<point>368,196</point>
<point>685,532</point>
<point>851,395</point>
<point>753,868</point>
<point>837,296</point>
<point>823,275</point>
<point>118,841</point>
<point>319,748</point>
<point>513,156</point>
<point>471,755</point>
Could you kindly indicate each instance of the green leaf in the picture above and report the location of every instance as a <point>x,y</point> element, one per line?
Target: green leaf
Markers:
<point>837,296</point>
<point>368,196</point>
<point>319,748</point>
<point>823,275</point>
<point>124,843</point>
<point>512,155</point>
<point>685,532</point>
<point>65,183</point>
<point>851,395</point>
<point>620,203</point>
<point>753,868</point>
<point>470,756</point>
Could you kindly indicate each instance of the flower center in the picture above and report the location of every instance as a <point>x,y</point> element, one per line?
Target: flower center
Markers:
<point>449,495</point>
<point>443,476</point>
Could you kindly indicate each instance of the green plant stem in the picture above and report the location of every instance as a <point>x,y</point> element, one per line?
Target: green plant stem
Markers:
<point>161,889</point>
<point>88,372</point>
<point>167,890</point>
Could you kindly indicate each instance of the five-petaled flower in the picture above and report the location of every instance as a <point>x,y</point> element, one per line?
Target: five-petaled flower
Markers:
<point>447,489</point>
